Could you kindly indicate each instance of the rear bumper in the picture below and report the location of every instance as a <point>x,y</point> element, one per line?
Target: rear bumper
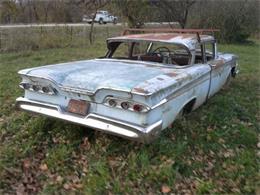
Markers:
<point>112,126</point>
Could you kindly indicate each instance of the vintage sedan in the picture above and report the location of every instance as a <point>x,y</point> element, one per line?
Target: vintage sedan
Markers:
<point>143,83</point>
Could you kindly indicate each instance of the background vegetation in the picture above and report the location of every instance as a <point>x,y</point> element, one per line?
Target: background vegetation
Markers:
<point>42,37</point>
<point>236,19</point>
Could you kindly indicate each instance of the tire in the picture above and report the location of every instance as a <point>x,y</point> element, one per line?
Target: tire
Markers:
<point>114,21</point>
<point>186,109</point>
<point>101,21</point>
<point>180,114</point>
<point>227,83</point>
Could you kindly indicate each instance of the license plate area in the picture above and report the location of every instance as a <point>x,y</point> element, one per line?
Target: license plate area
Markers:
<point>80,107</point>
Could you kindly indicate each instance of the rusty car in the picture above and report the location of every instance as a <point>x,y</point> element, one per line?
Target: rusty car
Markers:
<point>146,80</point>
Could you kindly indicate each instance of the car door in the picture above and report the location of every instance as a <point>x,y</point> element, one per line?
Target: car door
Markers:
<point>106,17</point>
<point>219,69</point>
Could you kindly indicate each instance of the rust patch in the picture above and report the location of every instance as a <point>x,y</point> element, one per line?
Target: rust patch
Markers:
<point>218,64</point>
<point>160,79</point>
<point>78,107</point>
<point>140,90</point>
<point>156,36</point>
<point>160,30</point>
<point>149,65</point>
<point>180,79</point>
<point>184,36</point>
<point>171,74</point>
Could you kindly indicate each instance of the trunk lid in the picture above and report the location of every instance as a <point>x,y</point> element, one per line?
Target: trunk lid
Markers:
<point>91,75</point>
<point>137,77</point>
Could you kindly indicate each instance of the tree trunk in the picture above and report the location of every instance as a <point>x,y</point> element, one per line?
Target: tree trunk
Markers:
<point>92,28</point>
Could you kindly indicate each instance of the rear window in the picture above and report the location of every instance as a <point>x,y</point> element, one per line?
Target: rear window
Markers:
<point>164,53</point>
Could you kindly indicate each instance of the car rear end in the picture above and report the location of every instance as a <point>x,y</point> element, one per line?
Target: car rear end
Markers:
<point>109,110</point>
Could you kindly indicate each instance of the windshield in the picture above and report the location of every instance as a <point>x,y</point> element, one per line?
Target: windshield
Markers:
<point>165,53</point>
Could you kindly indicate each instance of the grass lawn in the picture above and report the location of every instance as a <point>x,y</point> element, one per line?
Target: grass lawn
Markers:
<point>212,150</point>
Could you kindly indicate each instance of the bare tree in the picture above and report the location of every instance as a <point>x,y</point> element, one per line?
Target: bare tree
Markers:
<point>135,12</point>
<point>175,10</point>
<point>46,9</point>
<point>94,6</point>
<point>9,11</point>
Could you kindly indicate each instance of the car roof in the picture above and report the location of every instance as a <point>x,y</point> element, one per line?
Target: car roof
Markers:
<point>186,39</point>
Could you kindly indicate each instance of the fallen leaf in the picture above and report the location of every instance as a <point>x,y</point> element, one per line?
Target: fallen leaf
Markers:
<point>43,167</point>
<point>210,129</point>
<point>85,170</point>
<point>113,163</point>
<point>258,144</point>
<point>20,189</point>
<point>229,153</point>
<point>59,179</point>
<point>55,140</point>
<point>66,186</point>
<point>220,140</point>
<point>166,189</point>
<point>86,144</point>
<point>110,193</point>
<point>73,178</point>
<point>258,154</point>
<point>78,186</point>
<point>26,164</point>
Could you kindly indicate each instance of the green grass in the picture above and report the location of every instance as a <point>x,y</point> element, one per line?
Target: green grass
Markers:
<point>212,150</point>
<point>35,38</point>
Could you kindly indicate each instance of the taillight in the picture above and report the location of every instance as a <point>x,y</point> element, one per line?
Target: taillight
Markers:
<point>112,103</point>
<point>125,104</point>
<point>138,108</point>
<point>25,85</point>
<point>38,88</point>
<point>45,89</point>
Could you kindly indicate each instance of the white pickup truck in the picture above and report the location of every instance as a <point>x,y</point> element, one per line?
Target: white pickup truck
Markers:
<point>102,17</point>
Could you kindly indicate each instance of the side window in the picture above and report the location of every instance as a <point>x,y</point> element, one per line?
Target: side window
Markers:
<point>140,48</point>
<point>209,51</point>
<point>122,51</point>
<point>204,52</point>
<point>171,53</point>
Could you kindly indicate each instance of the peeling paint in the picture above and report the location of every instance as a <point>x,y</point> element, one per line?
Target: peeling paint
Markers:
<point>164,89</point>
<point>171,74</point>
<point>160,79</point>
<point>140,90</point>
<point>217,63</point>
<point>189,40</point>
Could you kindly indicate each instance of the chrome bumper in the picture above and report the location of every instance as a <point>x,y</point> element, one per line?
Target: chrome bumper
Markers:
<point>127,130</point>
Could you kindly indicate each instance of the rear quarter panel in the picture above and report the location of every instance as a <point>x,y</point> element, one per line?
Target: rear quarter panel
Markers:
<point>171,100</point>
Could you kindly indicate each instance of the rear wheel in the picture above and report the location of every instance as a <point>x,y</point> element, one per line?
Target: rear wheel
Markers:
<point>180,114</point>
<point>101,21</point>
<point>227,83</point>
<point>186,109</point>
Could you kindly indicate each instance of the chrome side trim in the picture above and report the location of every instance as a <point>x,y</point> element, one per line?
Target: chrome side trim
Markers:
<point>112,126</point>
<point>182,90</point>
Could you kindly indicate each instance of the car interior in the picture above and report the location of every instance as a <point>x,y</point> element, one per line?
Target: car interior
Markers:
<point>164,53</point>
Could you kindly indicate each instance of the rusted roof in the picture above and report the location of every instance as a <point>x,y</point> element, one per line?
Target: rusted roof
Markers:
<point>189,40</point>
